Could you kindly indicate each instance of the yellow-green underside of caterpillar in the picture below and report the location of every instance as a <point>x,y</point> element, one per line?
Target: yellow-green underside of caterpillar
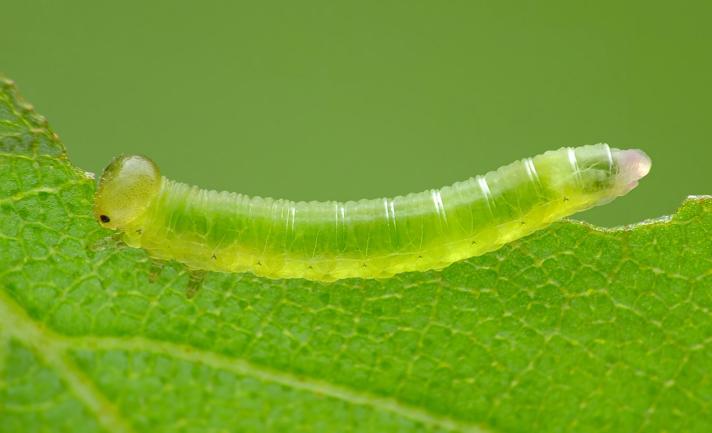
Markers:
<point>235,257</point>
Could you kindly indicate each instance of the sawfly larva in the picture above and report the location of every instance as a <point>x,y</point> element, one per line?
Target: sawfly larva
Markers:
<point>326,241</point>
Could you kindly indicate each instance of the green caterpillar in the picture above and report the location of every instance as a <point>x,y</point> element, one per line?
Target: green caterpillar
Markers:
<point>326,241</point>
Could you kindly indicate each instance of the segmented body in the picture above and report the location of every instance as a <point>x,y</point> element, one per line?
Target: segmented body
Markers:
<point>231,232</point>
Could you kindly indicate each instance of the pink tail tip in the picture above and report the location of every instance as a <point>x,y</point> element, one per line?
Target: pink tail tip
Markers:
<point>634,164</point>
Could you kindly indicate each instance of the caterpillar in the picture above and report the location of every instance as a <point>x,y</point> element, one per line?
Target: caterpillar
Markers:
<point>378,238</point>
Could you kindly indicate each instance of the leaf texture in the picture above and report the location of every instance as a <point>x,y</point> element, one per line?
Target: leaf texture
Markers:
<point>574,328</point>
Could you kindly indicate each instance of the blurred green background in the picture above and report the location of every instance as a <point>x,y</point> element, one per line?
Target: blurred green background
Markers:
<point>344,100</point>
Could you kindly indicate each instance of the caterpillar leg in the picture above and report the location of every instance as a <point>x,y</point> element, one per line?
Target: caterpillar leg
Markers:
<point>154,270</point>
<point>195,282</point>
<point>114,241</point>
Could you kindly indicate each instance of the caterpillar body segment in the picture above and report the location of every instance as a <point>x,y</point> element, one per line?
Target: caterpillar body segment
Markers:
<point>326,241</point>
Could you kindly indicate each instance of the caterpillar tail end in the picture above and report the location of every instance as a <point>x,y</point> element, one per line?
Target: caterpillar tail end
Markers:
<point>634,164</point>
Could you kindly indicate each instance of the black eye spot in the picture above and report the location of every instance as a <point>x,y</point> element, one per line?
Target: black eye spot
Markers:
<point>104,218</point>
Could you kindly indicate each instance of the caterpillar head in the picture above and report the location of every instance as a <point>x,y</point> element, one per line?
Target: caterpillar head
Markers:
<point>126,188</point>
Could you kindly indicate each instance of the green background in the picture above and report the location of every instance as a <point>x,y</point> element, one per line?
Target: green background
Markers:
<point>344,100</point>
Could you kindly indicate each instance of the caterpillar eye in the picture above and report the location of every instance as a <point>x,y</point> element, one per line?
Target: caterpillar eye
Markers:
<point>104,218</point>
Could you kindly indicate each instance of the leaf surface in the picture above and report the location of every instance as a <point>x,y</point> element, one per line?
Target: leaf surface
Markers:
<point>574,328</point>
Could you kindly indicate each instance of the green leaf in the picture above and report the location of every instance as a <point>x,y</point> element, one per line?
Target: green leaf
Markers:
<point>574,328</point>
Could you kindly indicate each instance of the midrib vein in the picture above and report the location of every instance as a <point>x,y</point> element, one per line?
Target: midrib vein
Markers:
<point>246,368</point>
<point>52,350</point>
